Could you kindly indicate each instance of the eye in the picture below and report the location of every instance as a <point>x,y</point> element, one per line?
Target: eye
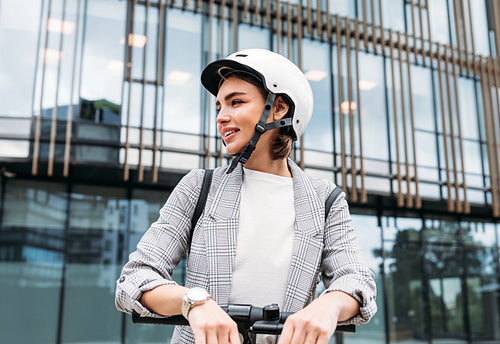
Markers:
<point>236,102</point>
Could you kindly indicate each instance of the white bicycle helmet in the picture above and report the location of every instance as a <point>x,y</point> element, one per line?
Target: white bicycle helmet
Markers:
<point>279,76</point>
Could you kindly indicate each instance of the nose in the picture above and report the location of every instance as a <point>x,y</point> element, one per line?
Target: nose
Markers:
<point>222,116</point>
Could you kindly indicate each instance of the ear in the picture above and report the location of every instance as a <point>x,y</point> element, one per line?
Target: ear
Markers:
<point>280,108</point>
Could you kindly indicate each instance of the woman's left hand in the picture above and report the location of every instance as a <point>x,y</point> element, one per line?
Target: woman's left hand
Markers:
<point>316,323</point>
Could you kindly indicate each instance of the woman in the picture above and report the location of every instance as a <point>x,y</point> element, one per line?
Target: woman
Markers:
<point>263,237</point>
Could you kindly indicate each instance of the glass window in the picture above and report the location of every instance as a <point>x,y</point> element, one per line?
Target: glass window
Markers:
<point>438,15</point>
<point>144,209</point>
<point>102,61</point>
<point>250,37</point>
<point>31,260</point>
<point>369,239</point>
<point>393,15</point>
<point>19,32</point>
<point>345,8</point>
<point>182,89</point>
<point>403,266</point>
<point>480,27</point>
<point>98,216</point>
<point>316,67</point>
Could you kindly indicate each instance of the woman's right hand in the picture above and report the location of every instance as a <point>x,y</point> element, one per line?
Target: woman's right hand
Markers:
<point>211,325</point>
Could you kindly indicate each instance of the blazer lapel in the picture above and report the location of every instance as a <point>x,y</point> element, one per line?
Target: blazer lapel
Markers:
<point>221,229</point>
<point>308,242</point>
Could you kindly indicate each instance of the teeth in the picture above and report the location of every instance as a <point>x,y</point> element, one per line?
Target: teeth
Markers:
<point>229,132</point>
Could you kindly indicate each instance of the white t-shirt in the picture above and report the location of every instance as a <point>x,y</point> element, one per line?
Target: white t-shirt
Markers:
<point>265,240</point>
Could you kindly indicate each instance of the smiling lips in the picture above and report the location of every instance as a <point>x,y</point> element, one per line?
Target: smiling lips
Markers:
<point>227,133</point>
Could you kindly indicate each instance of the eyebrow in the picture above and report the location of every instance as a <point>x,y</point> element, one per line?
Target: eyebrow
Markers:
<point>230,95</point>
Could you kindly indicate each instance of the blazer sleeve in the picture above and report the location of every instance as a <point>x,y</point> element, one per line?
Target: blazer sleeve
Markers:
<point>343,268</point>
<point>160,249</point>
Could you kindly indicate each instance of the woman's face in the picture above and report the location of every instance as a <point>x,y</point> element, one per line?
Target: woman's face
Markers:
<point>240,105</point>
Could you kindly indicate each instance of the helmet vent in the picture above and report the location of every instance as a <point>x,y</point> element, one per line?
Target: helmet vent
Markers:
<point>275,84</point>
<point>241,55</point>
<point>297,121</point>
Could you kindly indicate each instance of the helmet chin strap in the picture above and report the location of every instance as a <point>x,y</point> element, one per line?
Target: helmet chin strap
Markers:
<point>260,128</point>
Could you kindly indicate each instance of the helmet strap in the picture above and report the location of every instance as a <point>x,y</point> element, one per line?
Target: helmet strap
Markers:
<point>260,128</point>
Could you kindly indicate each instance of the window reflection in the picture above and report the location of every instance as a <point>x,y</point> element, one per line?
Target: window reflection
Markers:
<point>369,237</point>
<point>144,210</point>
<point>316,68</point>
<point>31,260</point>
<point>439,20</point>
<point>98,217</point>
<point>19,25</point>
<point>402,267</point>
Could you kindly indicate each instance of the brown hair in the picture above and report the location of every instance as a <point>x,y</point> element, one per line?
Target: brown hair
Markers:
<point>282,145</point>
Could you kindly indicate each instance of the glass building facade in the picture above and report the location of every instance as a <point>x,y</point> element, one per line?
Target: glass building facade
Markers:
<point>102,112</point>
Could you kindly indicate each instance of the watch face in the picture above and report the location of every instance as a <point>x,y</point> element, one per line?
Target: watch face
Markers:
<point>197,294</point>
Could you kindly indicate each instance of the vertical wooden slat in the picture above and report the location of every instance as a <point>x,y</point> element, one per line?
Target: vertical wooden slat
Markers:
<point>222,16</point>
<point>457,33</point>
<point>381,19</point>
<point>473,49</point>
<point>338,30</point>
<point>414,28</point>
<point>278,26</point>
<point>268,12</point>
<point>458,204</point>
<point>328,21</point>
<point>464,29</point>
<point>496,89</point>
<point>374,30</point>
<point>143,95</point>
<point>494,120</point>
<point>422,40</point>
<point>256,10</point>
<point>363,197</point>
<point>429,31</point>
<point>354,192</point>
<point>409,198</point>
<point>319,18</point>
<point>400,201</point>
<point>235,25</point>
<point>309,18</point>
<point>69,119</point>
<point>365,25</point>
<point>38,125</point>
<point>126,167</point>
<point>53,126</point>
<point>460,138</point>
<point>158,84</point>
<point>418,200</point>
<point>496,20</point>
<point>198,4</point>
<point>211,5</point>
<point>488,126</point>
<point>299,35</point>
<point>299,63</point>
<point>289,33</point>
<point>450,204</point>
<point>245,9</point>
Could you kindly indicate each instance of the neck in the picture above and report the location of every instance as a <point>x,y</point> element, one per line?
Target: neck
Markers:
<point>266,164</point>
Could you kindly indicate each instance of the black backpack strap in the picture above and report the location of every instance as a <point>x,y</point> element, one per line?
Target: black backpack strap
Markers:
<point>331,199</point>
<point>200,205</point>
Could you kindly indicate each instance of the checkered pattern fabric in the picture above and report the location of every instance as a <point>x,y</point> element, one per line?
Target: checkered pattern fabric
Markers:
<point>322,248</point>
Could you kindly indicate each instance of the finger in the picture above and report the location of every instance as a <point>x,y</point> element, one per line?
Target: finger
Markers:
<point>199,336</point>
<point>311,338</point>
<point>299,336</point>
<point>234,336</point>
<point>211,335</point>
<point>286,334</point>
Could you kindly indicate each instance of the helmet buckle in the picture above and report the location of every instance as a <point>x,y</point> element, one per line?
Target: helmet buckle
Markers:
<point>260,128</point>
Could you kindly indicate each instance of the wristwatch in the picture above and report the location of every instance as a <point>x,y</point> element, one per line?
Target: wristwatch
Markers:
<point>193,297</point>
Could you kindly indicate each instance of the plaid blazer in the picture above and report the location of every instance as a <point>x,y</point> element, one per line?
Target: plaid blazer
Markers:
<point>322,248</point>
